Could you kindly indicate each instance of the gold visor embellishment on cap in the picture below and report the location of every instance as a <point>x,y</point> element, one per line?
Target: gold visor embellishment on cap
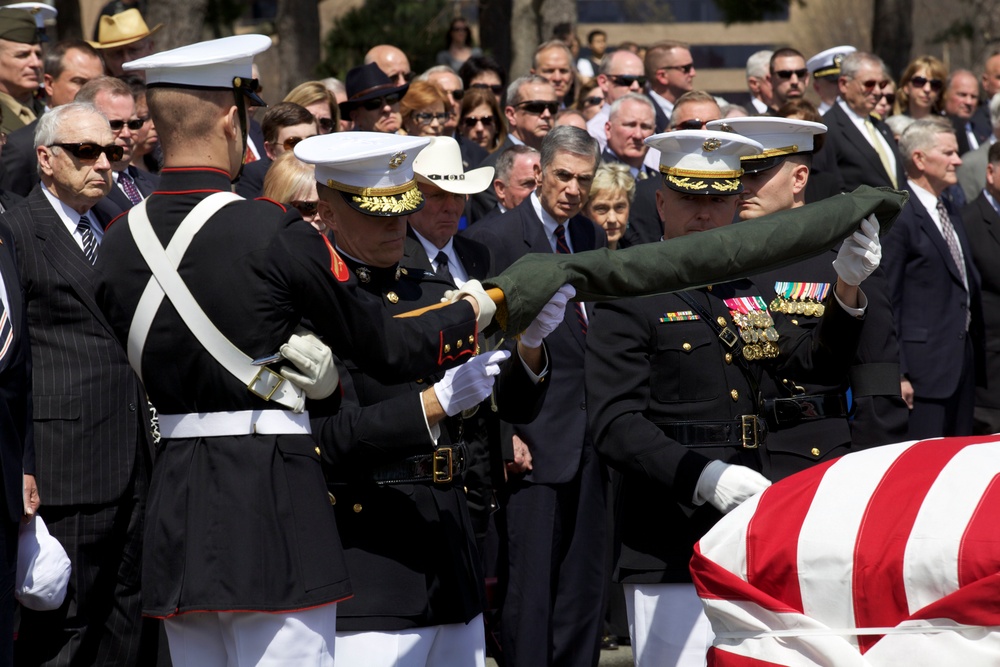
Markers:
<point>372,192</point>
<point>409,201</point>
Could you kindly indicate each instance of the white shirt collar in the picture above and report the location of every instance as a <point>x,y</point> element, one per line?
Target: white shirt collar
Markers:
<point>454,266</point>
<point>665,104</point>
<point>71,218</point>
<point>548,222</point>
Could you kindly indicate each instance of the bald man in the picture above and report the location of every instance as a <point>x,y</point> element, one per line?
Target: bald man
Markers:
<point>392,61</point>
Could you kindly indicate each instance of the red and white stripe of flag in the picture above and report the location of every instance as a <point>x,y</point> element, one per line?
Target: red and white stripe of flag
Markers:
<point>889,556</point>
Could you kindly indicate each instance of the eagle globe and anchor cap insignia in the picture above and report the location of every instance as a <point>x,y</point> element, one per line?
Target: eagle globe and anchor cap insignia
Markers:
<point>397,160</point>
<point>712,145</point>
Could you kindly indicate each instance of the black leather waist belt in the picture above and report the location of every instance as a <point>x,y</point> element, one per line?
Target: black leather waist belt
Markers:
<point>787,412</point>
<point>441,467</point>
<point>746,431</point>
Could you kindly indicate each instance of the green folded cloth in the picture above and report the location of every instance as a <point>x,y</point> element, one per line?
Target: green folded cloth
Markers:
<point>695,260</point>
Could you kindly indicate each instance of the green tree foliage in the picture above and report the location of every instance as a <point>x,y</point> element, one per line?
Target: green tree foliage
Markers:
<point>416,26</point>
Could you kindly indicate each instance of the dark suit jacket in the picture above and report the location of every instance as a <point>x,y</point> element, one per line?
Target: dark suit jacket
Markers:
<point>662,119</point>
<point>89,408</point>
<point>20,165</point>
<point>481,203</point>
<point>559,434</point>
<point>982,225</point>
<point>644,224</point>
<point>251,183</point>
<point>856,160</point>
<point>981,124</point>
<point>609,156</point>
<point>962,136</point>
<point>929,301</point>
<point>117,202</point>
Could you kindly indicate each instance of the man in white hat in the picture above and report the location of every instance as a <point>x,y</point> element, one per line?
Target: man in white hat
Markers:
<point>124,37</point>
<point>811,426</point>
<point>825,69</point>
<point>239,524</point>
<point>673,396</point>
<point>409,454</point>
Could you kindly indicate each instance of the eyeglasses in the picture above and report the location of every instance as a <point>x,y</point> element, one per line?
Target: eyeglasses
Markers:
<point>133,125</point>
<point>428,118</point>
<point>91,151</point>
<point>890,98</point>
<point>291,142</point>
<point>692,124</point>
<point>538,106</point>
<point>680,68</point>
<point>593,101</point>
<point>495,87</point>
<point>407,76</point>
<point>870,85</point>
<point>305,208</point>
<point>325,124</point>
<point>920,82</point>
<point>787,73</point>
<point>471,121</point>
<point>379,102</point>
<point>626,80</point>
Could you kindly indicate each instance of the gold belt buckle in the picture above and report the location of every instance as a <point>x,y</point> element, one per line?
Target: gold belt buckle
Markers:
<point>268,383</point>
<point>442,465</point>
<point>749,433</point>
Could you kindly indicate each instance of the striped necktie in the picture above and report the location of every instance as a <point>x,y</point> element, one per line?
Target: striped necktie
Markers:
<point>563,248</point>
<point>6,331</point>
<point>90,244</point>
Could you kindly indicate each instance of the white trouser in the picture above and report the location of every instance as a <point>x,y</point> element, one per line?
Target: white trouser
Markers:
<point>452,645</point>
<point>667,625</point>
<point>231,639</point>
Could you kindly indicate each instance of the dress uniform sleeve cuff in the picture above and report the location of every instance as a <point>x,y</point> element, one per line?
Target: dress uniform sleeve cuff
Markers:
<point>858,312</point>
<point>434,432</point>
<point>536,378</point>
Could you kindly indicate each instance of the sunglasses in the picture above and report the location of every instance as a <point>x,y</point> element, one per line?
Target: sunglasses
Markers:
<point>626,80</point>
<point>91,151</point>
<point>787,73</point>
<point>920,82</point>
<point>870,85</point>
<point>457,94</point>
<point>428,118</point>
<point>680,68</point>
<point>693,124</point>
<point>133,125</point>
<point>408,76</point>
<point>292,142</point>
<point>325,124</point>
<point>593,101</point>
<point>495,87</point>
<point>537,107</point>
<point>379,102</point>
<point>305,208</point>
<point>471,121</point>
<point>889,97</point>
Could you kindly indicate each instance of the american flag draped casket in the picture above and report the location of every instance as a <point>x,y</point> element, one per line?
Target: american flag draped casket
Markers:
<point>890,556</point>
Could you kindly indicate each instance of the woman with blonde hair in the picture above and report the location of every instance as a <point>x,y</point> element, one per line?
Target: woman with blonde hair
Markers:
<point>424,109</point>
<point>919,92</point>
<point>291,182</point>
<point>321,103</point>
<point>611,195</point>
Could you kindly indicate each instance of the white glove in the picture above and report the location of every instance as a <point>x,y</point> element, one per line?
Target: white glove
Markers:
<point>474,289</point>
<point>468,385</point>
<point>317,375</point>
<point>724,485</point>
<point>550,317</point>
<point>860,253</point>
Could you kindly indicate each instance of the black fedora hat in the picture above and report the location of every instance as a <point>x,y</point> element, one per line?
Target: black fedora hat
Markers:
<point>368,82</point>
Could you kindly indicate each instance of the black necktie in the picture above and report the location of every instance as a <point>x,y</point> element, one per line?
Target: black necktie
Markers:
<point>443,272</point>
<point>90,244</point>
<point>563,248</point>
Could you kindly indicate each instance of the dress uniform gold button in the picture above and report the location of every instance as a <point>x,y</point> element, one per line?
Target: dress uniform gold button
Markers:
<point>357,508</point>
<point>721,320</point>
<point>735,394</point>
<point>472,339</point>
<point>814,451</point>
<point>333,498</point>
<point>729,358</point>
<point>317,451</point>
<point>458,343</point>
<point>447,348</point>
<point>709,288</point>
<point>393,297</point>
<point>686,347</point>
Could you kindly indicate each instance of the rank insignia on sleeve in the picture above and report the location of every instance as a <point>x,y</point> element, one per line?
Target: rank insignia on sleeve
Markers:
<point>680,316</point>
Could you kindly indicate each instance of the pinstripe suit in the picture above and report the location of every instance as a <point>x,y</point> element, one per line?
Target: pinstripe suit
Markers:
<point>91,445</point>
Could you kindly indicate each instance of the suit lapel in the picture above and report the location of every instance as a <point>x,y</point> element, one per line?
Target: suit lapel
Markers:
<point>15,302</point>
<point>934,234</point>
<point>475,262</point>
<point>990,218</point>
<point>860,142</point>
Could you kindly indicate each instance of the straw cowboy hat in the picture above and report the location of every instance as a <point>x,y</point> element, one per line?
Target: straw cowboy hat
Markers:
<point>121,29</point>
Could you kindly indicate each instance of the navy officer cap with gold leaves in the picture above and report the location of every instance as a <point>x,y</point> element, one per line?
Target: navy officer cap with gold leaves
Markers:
<point>373,171</point>
<point>701,162</point>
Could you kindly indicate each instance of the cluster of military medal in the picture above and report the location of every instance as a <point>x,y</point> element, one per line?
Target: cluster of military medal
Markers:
<point>757,330</point>
<point>800,298</point>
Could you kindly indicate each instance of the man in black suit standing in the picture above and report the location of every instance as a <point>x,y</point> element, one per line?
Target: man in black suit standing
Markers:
<point>982,224</point>
<point>630,122</point>
<point>554,570</point>
<point>129,185</point>
<point>961,100</point>
<point>91,433</point>
<point>935,289</point>
<point>68,66</point>
<point>860,144</point>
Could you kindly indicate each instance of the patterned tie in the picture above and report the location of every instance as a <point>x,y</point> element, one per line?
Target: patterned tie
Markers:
<point>443,272</point>
<point>563,248</point>
<point>882,155</point>
<point>951,239</point>
<point>128,186</point>
<point>90,244</point>
<point>6,331</point>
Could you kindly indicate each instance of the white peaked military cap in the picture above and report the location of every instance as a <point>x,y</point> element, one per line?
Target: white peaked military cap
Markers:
<point>41,11</point>
<point>780,137</point>
<point>702,162</point>
<point>225,63</point>
<point>373,171</point>
<point>827,63</point>
<point>441,164</point>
